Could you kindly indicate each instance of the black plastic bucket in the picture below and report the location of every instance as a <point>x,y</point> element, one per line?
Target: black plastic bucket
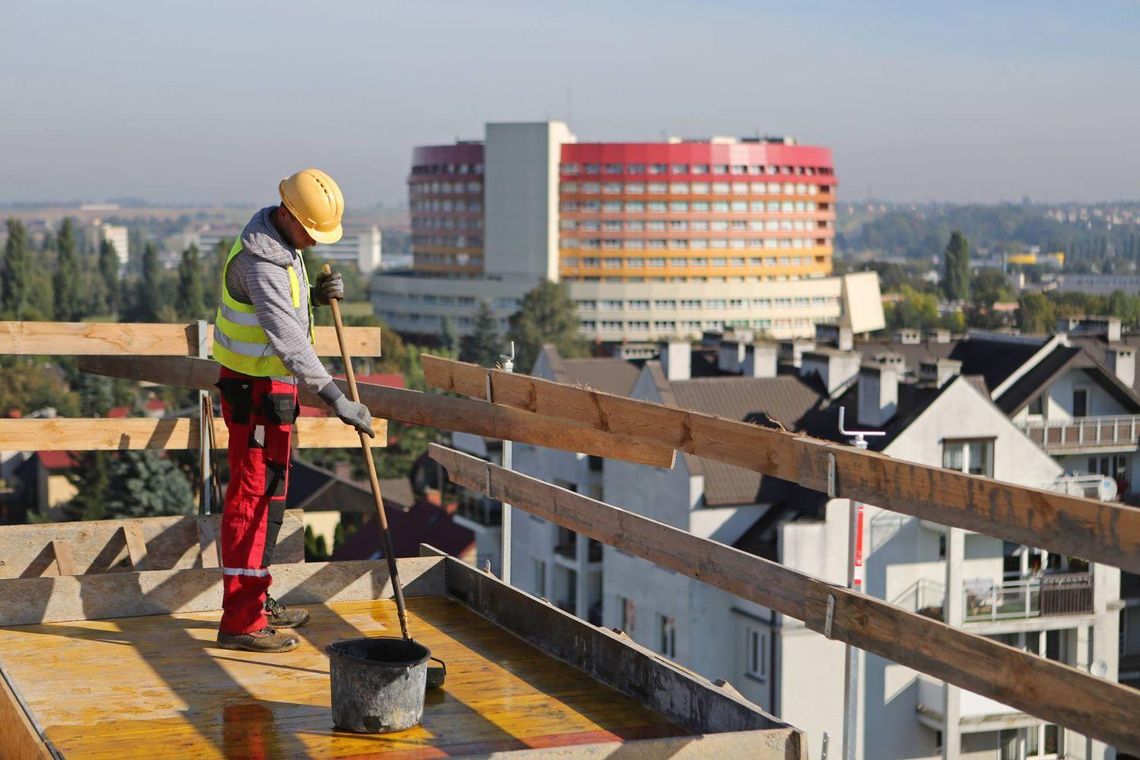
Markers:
<point>377,683</point>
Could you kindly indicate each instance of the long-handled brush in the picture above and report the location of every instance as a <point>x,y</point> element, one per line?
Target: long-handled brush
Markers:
<point>435,675</point>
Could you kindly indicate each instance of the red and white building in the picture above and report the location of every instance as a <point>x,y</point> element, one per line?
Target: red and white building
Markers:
<point>655,240</point>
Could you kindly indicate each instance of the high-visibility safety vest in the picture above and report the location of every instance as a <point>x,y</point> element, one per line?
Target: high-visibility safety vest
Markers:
<point>240,343</point>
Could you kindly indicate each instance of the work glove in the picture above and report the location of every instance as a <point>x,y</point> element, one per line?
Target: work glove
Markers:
<point>328,287</point>
<point>355,414</point>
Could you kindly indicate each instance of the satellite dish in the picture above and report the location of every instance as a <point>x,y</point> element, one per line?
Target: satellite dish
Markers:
<point>1099,668</point>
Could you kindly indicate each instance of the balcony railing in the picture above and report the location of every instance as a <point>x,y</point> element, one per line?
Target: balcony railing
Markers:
<point>1069,594</point>
<point>1084,433</point>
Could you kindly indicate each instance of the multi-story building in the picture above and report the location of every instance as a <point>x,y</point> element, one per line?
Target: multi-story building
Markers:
<point>655,240</point>
<point>361,246</point>
<point>935,413</point>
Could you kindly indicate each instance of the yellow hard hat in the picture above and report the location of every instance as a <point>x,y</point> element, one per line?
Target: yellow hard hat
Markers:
<point>315,200</point>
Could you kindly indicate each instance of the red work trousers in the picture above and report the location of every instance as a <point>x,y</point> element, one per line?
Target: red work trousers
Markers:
<point>259,414</point>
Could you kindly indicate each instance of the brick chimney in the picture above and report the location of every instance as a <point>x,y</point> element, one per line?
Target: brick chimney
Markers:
<point>1121,359</point>
<point>878,395</point>
<point>760,360</point>
<point>835,368</point>
<point>677,360</point>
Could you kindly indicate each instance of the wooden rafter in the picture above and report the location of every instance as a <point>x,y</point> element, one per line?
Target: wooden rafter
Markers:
<point>1049,690</point>
<point>133,433</point>
<point>1101,531</point>
<point>414,408</point>
<point>130,339</point>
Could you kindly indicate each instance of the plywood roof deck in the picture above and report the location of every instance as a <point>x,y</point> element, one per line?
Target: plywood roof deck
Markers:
<point>157,686</point>
<point>124,664</point>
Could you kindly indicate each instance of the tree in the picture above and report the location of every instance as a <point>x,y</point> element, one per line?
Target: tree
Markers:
<point>484,344</point>
<point>92,480</point>
<point>65,282</point>
<point>190,299</point>
<point>1036,314</point>
<point>143,484</point>
<point>547,316</point>
<point>109,273</point>
<point>957,279</point>
<point>150,296</point>
<point>17,272</point>
<point>447,339</point>
<point>915,310</point>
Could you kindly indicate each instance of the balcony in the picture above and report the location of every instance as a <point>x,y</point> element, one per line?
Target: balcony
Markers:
<point>989,602</point>
<point>1084,434</point>
<point>975,712</point>
<point>1067,594</point>
<point>478,511</point>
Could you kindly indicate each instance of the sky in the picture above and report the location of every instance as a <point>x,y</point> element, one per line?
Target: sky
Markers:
<point>213,102</point>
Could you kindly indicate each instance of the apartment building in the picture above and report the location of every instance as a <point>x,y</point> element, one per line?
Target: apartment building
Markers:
<point>361,246</point>
<point>934,415</point>
<point>654,240</point>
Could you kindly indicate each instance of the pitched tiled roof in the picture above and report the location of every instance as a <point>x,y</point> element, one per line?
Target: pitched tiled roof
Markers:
<point>786,399</point>
<point>992,358</point>
<point>615,376</point>
<point>604,374</point>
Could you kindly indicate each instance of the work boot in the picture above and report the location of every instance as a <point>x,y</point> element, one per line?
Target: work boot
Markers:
<point>281,616</point>
<point>266,640</point>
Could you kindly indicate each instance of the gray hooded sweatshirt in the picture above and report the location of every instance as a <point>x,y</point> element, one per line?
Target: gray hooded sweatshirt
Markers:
<point>259,276</point>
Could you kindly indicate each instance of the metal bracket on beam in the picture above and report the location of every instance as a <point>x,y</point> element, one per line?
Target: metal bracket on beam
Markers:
<point>830,615</point>
<point>830,475</point>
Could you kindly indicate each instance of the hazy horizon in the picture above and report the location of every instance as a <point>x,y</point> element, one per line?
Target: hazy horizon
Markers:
<point>212,102</point>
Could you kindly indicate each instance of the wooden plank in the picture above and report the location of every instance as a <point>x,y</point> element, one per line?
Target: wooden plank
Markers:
<point>119,689</point>
<point>1101,531</point>
<point>1049,690</point>
<point>136,545</point>
<point>173,433</point>
<point>682,696</point>
<point>131,339</point>
<point>25,601</point>
<point>102,546</point>
<point>19,740</point>
<point>416,408</point>
<point>64,560</point>
<point>208,545</point>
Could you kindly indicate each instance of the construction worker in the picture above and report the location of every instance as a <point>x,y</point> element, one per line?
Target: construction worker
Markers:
<point>263,340</point>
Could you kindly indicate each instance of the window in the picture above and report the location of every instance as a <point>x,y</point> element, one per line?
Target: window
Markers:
<point>1037,405</point>
<point>540,577</point>
<point>974,457</point>
<point>1080,402</point>
<point>628,614</point>
<point>667,636</point>
<point>756,653</point>
<point>680,168</point>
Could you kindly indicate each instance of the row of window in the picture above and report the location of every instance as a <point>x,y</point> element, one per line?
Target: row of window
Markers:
<point>444,188</point>
<point>451,241</point>
<point>449,259</point>
<point>446,223</point>
<point>698,262</point>
<point>658,168</point>
<point>448,169</point>
<point>697,225</point>
<point>680,244</point>
<point>668,326</point>
<point>438,205</point>
<point>636,304</point>
<point>430,299</point>
<point>427,321</point>
<point>696,207</point>
<point>692,188</point>
<point>691,278</point>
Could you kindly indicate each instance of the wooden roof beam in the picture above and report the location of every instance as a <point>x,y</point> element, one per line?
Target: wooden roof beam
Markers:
<point>1047,689</point>
<point>1099,531</point>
